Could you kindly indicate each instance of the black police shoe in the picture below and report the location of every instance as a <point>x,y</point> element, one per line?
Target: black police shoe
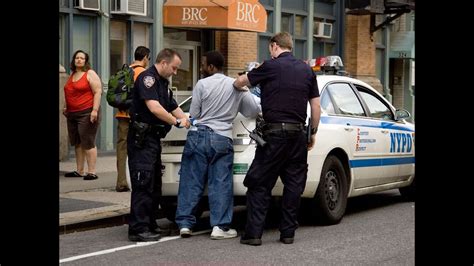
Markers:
<point>287,240</point>
<point>250,241</point>
<point>287,237</point>
<point>146,236</point>
<point>161,231</point>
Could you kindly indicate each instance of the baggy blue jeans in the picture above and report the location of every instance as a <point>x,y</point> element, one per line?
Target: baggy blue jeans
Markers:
<point>207,158</point>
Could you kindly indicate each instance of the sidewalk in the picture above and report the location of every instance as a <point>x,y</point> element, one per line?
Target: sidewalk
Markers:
<point>87,202</point>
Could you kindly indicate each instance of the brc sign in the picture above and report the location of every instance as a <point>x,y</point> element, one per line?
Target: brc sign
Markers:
<point>223,14</point>
<point>246,12</point>
<point>194,14</point>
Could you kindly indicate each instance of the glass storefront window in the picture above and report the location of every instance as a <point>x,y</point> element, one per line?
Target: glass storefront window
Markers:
<point>183,81</point>
<point>182,35</point>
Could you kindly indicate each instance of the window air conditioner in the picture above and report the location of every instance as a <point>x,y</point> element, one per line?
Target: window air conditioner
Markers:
<point>322,30</point>
<point>87,4</point>
<point>129,7</point>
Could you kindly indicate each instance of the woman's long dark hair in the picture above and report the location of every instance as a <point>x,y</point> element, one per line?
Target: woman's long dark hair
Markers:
<point>87,64</point>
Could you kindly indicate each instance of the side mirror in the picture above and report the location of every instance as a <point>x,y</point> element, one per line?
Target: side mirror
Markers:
<point>401,114</point>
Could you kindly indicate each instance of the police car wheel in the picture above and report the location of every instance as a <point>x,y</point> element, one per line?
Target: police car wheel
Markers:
<point>331,196</point>
<point>408,193</point>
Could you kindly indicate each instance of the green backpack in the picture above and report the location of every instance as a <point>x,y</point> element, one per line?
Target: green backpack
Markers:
<point>119,92</point>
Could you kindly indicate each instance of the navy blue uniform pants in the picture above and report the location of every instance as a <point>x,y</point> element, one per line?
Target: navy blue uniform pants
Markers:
<point>145,175</point>
<point>285,155</point>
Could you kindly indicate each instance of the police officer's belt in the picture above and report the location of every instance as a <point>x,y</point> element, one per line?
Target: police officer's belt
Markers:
<point>283,127</point>
<point>149,127</point>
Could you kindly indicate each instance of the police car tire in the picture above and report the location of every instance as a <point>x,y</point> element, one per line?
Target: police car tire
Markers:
<point>408,193</point>
<point>331,204</point>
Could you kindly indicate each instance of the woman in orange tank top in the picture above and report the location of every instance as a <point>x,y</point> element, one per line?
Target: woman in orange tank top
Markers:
<point>82,94</point>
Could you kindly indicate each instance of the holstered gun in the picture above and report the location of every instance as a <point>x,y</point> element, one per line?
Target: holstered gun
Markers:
<point>140,130</point>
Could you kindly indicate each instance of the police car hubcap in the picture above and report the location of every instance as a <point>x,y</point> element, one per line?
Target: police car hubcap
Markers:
<point>332,189</point>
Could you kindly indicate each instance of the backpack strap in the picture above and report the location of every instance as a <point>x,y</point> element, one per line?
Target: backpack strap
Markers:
<point>133,67</point>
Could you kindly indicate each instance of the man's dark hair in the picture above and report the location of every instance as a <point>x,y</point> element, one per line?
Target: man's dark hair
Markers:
<point>283,39</point>
<point>215,58</point>
<point>141,52</point>
<point>87,64</point>
<point>167,54</point>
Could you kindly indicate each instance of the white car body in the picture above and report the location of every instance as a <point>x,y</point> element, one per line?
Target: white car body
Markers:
<point>376,153</point>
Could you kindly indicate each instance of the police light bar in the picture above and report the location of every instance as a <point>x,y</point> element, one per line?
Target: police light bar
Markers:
<point>331,64</point>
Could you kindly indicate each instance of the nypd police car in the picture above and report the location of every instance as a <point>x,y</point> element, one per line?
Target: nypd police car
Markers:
<point>363,145</point>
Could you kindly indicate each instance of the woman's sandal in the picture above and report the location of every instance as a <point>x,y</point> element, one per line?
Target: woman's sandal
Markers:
<point>72,174</point>
<point>90,176</point>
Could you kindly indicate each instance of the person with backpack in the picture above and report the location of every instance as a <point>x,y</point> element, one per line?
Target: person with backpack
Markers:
<point>142,58</point>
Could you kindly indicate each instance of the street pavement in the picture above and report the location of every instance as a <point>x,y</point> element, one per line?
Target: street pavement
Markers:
<point>85,201</point>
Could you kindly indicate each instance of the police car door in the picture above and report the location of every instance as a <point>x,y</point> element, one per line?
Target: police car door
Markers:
<point>363,135</point>
<point>398,152</point>
<point>383,119</point>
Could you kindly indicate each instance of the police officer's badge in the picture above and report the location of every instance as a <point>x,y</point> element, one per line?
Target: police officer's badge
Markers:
<point>148,81</point>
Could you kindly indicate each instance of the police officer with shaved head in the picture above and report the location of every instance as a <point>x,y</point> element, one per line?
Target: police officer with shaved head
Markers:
<point>287,85</point>
<point>153,112</point>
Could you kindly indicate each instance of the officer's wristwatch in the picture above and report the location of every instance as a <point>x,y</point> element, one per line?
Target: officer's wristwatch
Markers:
<point>178,122</point>
<point>314,130</point>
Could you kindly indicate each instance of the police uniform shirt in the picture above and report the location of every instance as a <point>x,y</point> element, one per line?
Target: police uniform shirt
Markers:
<point>286,86</point>
<point>151,86</point>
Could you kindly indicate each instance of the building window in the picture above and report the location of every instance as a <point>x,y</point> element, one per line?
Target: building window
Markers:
<point>295,4</point>
<point>269,21</point>
<point>286,23</point>
<point>83,36</point>
<point>325,44</point>
<point>300,25</point>
<point>118,45</point>
<point>263,53</point>
<point>141,35</point>
<point>296,26</point>
<point>62,43</point>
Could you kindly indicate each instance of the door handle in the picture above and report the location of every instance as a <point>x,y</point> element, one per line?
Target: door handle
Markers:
<point>349,129</point>
<point>384,131</point>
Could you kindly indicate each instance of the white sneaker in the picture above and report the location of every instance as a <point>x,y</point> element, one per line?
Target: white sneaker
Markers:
<point>218,233</point>
<point>185,232</point>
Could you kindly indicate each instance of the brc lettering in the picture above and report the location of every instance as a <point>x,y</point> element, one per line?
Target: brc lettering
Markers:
<point>194,14</point>
<point>246,12</point>
<point>400,142</point>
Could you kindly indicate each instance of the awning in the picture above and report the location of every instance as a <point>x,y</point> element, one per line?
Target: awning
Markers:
<point>248,15</point>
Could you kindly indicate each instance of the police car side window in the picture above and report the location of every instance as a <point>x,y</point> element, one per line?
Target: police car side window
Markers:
<point>345,99</point>
<point>326,103</point>
<point>376,107</point>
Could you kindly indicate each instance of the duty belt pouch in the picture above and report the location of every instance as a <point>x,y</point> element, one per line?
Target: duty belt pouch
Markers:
<point>140,130</point>
<point>161,131</point>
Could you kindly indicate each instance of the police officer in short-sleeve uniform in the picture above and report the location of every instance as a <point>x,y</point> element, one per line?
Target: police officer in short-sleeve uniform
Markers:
<point>287,84</point>
<point>149,123</point>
